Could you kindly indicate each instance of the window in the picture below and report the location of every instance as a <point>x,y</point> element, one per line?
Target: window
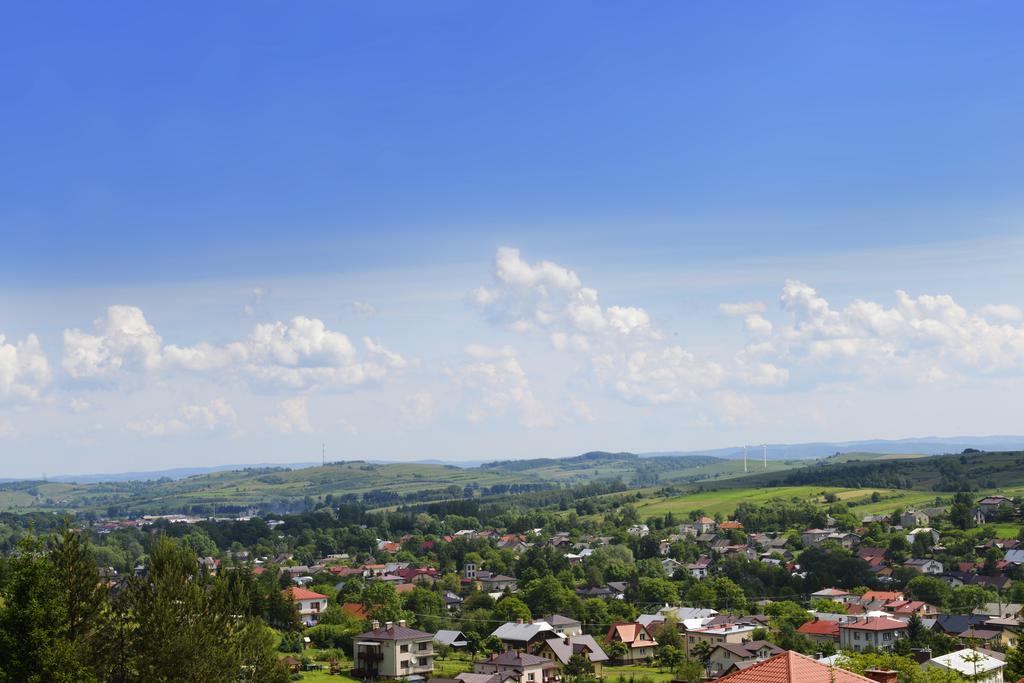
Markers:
<point>315,606</point>
<point>422,646</point>
<point>405,648</point>
<point>529,677</point>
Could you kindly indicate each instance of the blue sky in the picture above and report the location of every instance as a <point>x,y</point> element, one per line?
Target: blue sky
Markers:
<point>215,171</point>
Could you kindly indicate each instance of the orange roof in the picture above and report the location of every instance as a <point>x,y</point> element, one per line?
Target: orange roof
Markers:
<point>790,667</point>
<point>303,594</point>
<point>730,525</point>
<point>631,634</point>
<point>881,595</point>
<point>820,627</point>
<point>356,610</point>
<point>876,624</point>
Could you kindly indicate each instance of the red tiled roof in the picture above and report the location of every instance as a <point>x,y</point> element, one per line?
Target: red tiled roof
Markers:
<point>790,667</point>
<point>303,594</point>
<point>820,627</point>
<point>356,610</point>
<point>881,595</point>
<point>876,624</point>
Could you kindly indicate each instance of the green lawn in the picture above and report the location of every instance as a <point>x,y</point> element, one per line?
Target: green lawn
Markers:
<point>726,500</point>
<point>655,674</point>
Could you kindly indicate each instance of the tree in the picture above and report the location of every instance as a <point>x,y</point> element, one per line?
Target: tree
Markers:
<point>618,651</point>
<point>1014,664</point>
<point>961,513</point>
<point>54,612</point>
<point>578,666</point>
<point>931,590</point>
<point>964,599</point>
<point>548,595</point>
<point>729,596</point>
<point>702,653</point>
<point>511,608</point>
<point>669,656</point>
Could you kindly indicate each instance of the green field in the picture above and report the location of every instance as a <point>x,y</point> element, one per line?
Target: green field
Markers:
<point>725,501</point>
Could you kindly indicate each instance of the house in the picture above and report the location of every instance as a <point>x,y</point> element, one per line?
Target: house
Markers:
<point>699,569</point>
<point>522,635</point>
<point>725,655</point>
<point>309,604</point>
<point>496,583</point>
<point>970,664</point>
<point>923,530</point>
<point>878,632</point>
<point>815,536</point>
<point>1010,610</point>
<point>731,525</point>
<point>452,600</point>
<point>820,631</point>
<point>523,667</point>
<point>883,596</point>
<point>564,626</point>
<point>451,638</point>
<point>924,566</point>
<point>955,624</point>
<point>835,595</point>
<point>704,525</point>
<point>671,566</point>
<point>991,504</point>
<point>730,633</point>
<point>638,530</point>
<point>560,650</point>
<point>904,609</point>
<point>791,667</point>
<point>392,652</point>
<point>914,518</point>
<point>638,640</point>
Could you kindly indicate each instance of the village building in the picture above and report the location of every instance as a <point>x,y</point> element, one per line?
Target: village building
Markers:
<point>392,651</point>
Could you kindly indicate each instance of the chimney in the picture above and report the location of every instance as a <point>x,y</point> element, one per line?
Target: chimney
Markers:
<point>519,621</point>
<point>388,625</point>
<point>882,675</point>
<point>376,624</point>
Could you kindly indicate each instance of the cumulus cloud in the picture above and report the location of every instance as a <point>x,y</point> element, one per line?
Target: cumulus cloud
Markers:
<point>624,351</point>
<point>24,369</point>
<point>7,430</point>
<point>734,409</point>
<point>123,341</point>
<point>292,416</point>
<point>214,416</point>
<point>79,405</point>
<point>300,353</point>
<point>745,308</point>
<point>499,385</point>
<point>926,338</point>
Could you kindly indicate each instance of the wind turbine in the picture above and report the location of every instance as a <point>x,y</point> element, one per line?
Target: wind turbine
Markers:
<point>765,447</point>
<point>744,458</point>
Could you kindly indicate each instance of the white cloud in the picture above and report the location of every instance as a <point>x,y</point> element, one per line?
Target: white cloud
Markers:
<point>419,408</point>
<point>757,325</point>
<point>498,385</point>
<point>1007,312</point>
<point>301,353</point>
<point>293,416</point>
<point>735,409</point>
<point>743,308</point>
<point>7,430</point>
<point>210,417</point>
<point>362,308</point>
<point>24,369</point>
<point>124,341</point>
<point>79,405</point>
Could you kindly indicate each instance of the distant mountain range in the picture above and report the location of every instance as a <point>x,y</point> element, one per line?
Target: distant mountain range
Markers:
<point>931,445</point>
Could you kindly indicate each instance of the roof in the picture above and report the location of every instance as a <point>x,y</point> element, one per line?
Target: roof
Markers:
<point>631,634</point>
<point>564,648</point>
<point>515,658</point>
<point>297,593</point>
<point>559,620</point>
<point>870,596</point>
<point>356,609</point>
<point>829,592</point>
<point>820,627</point>
<point>447,637</point>
<point>791,667</point>
<point>394,633</point>
<point>875,624</point>
<point>750,649</point>
<point>967,662</point>
<point>521,632</point>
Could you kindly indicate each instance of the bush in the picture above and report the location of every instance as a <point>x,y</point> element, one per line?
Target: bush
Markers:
<point>330,636</point>
<point>290,642</point>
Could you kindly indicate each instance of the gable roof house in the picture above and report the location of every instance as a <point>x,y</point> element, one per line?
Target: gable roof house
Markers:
<point>523,667</point>
<point>560,650</point>
<point>520,635</point>
<point>791,667</point>
<point>878,632</point>
<point>971,664</point>
<point>820,631</point>
<point>638,640</point>
<point>726,655</point>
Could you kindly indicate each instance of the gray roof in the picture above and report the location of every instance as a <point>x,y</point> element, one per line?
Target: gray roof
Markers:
<point>564,648</point>
<point>515,658</point>
<point>447,637</point>
<point>521,632</point>
<point>559,620</point>
<point>394,633</point>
